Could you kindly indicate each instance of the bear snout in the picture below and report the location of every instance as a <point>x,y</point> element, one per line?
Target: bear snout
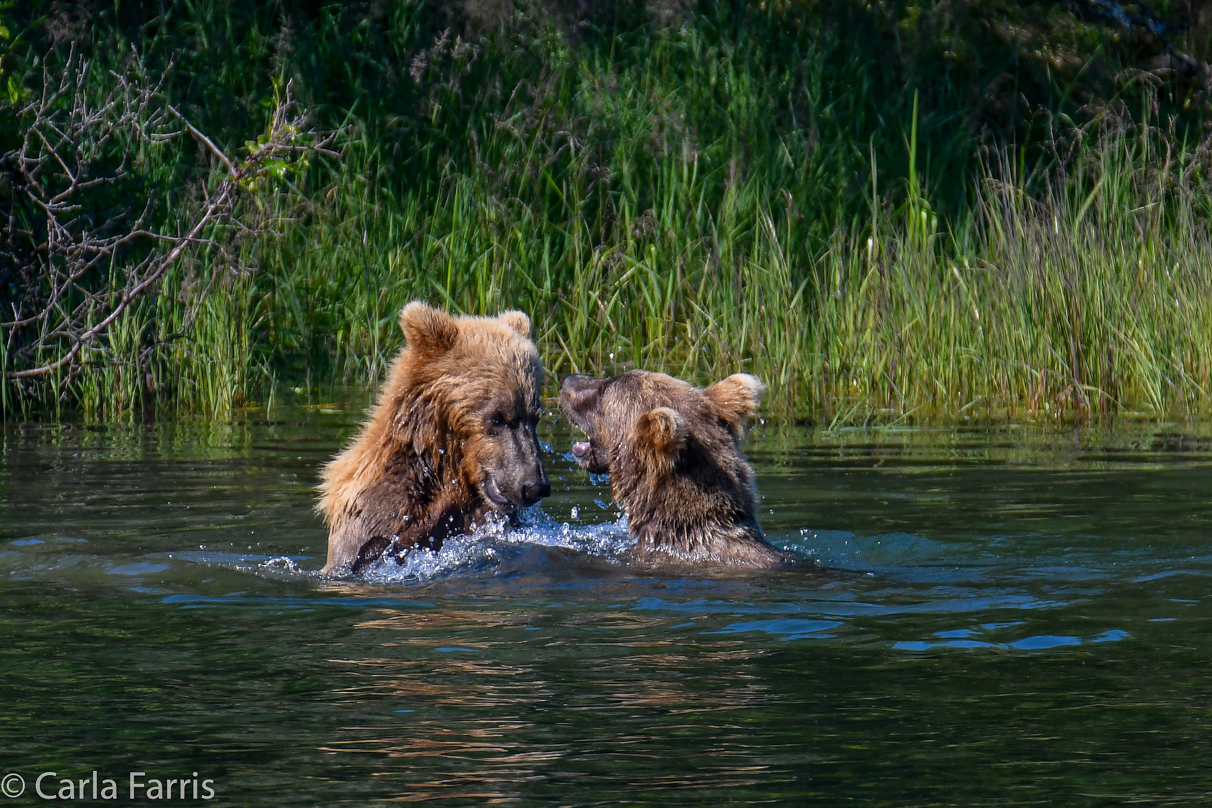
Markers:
<point>522,493</point>
<point>533,492</point>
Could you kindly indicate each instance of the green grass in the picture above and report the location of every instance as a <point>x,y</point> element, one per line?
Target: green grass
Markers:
<point>703,202</point>
<point>1091,297</point>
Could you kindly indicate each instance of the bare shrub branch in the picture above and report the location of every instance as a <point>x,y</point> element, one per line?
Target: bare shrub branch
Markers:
<point>85,235</point>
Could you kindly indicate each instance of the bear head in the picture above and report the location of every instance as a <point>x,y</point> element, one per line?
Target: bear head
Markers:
<point>673,452</point>
<point>654,417</point>
<point>477,379</point>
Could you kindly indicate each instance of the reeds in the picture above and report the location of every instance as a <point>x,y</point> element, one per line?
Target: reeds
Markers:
<point>664,205</point>
<point>1089,297</point>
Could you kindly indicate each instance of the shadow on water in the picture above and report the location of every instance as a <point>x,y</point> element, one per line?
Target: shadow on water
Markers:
<point>981,616</point>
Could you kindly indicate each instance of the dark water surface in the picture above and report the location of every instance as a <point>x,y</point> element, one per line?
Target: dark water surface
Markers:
<point>993,616</point>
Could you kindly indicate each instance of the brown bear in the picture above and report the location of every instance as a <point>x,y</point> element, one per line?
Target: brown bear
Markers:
<point>450,441</point>
<point>673,452</point>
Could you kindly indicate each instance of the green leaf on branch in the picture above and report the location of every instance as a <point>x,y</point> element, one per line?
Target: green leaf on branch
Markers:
<point>275,168</point>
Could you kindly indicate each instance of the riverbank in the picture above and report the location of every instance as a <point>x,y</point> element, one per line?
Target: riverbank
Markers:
<point>870,222</point>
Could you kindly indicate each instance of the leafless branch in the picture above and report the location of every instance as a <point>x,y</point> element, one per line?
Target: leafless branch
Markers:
<point>76,250</point>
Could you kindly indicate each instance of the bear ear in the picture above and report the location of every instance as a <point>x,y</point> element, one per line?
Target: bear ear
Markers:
<point>659,436</point>
<point>736,399</point>
<point>428,330</point>
<point>517,321</point>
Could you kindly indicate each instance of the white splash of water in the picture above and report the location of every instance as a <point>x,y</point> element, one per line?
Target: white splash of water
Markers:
<point>485,549</point>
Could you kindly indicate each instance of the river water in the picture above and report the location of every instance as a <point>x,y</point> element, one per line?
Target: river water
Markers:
<point>989,615</point>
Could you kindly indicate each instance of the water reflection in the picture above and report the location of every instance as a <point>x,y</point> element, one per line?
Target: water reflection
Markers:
<point>538,695</point>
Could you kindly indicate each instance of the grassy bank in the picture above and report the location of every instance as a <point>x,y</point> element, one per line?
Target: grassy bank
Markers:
<point>1089,297</point>
<point>867,219</point>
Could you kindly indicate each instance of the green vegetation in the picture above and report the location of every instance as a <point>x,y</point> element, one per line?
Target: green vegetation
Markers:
<point>884,210</point>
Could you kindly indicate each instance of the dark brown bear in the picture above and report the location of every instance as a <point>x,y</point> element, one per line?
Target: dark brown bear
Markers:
<point>450,441</point>
<point>673,452</point>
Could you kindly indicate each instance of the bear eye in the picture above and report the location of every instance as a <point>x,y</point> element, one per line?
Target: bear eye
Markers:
<point>497,421</point>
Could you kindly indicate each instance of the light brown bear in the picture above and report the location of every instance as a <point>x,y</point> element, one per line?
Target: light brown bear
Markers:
<point>673,452</point>
<point>450,441</point>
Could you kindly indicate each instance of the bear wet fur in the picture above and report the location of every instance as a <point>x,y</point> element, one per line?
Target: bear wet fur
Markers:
<point>450,442</point>
<point>673,452</point>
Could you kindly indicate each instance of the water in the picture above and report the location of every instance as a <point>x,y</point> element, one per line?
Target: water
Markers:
<point>991,616</point>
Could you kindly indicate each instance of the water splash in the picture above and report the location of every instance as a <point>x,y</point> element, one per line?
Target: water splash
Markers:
<point>486,550</point>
